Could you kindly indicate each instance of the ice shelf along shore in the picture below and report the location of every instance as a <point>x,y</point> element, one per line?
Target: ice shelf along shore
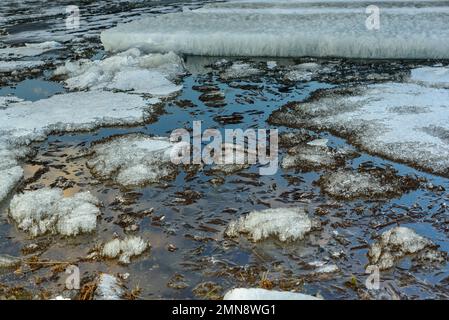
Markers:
<point>407,29</point>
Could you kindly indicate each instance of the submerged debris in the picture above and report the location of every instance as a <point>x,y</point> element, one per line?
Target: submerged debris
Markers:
<point>397,243</point>
<point>286,224</point>
<point>47,210</point>
<point>125,249</point>
<point>263,294</point>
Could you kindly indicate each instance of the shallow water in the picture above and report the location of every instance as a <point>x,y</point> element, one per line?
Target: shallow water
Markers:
<point>192,228</point>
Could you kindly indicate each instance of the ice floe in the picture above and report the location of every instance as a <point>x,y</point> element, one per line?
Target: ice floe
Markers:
<point>47,210</point>
<point>29,50</point>
<point>312,155</point>
<point>264,294</point>
<point>10,66</point>
<point>133,160</point>
<point>349,184</point>
<point>124,249</point>
<point>22,122</point>
<point>291,29</point>
<point>239,70</point>
<point>433,76</point>
<point>396,243</point>
<point>127,71</point>
<point>402,121</point>
<point>286,224</point>
<point>108,288</point>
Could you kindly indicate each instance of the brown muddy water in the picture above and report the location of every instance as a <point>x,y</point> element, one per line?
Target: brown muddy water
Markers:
<point>184,219</point>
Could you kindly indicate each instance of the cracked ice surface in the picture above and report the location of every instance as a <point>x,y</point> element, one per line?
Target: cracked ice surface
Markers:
<point>402,121</point>
<point>290,29</point>
<point>22,122</point>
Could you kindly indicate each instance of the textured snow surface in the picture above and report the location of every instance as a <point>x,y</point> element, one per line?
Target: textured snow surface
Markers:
<point>263,294</point>
<point>395,244</point>
<point>125,249</point>
<point>127,71</point>
<point>108,288</point>
<point>291,29</point>
<point>47,210</point>
<point>433,76</point>
<point>133,160</point>
<point>22,122</point>
<point>284,223</point>
<point>29,50</point>
<point>401,121</point>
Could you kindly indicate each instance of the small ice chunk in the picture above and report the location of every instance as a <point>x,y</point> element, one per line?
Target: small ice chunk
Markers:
<point>47,210</point>
<point>287,224</point>
<point>263,294</point>
<point>395,244</point>
<point>133,160</point>
<point>324,267</point>
<point>124,249</point>
<point>7,261</point>
<point>313,155</point>
<point>128,71</point>
<point>433,76</point>
<point>271,64</point>
<point>349,184</point>
<point>10,66</point>
<point>29,50</point>
<point>240,70</point>
<point>108,288</point>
